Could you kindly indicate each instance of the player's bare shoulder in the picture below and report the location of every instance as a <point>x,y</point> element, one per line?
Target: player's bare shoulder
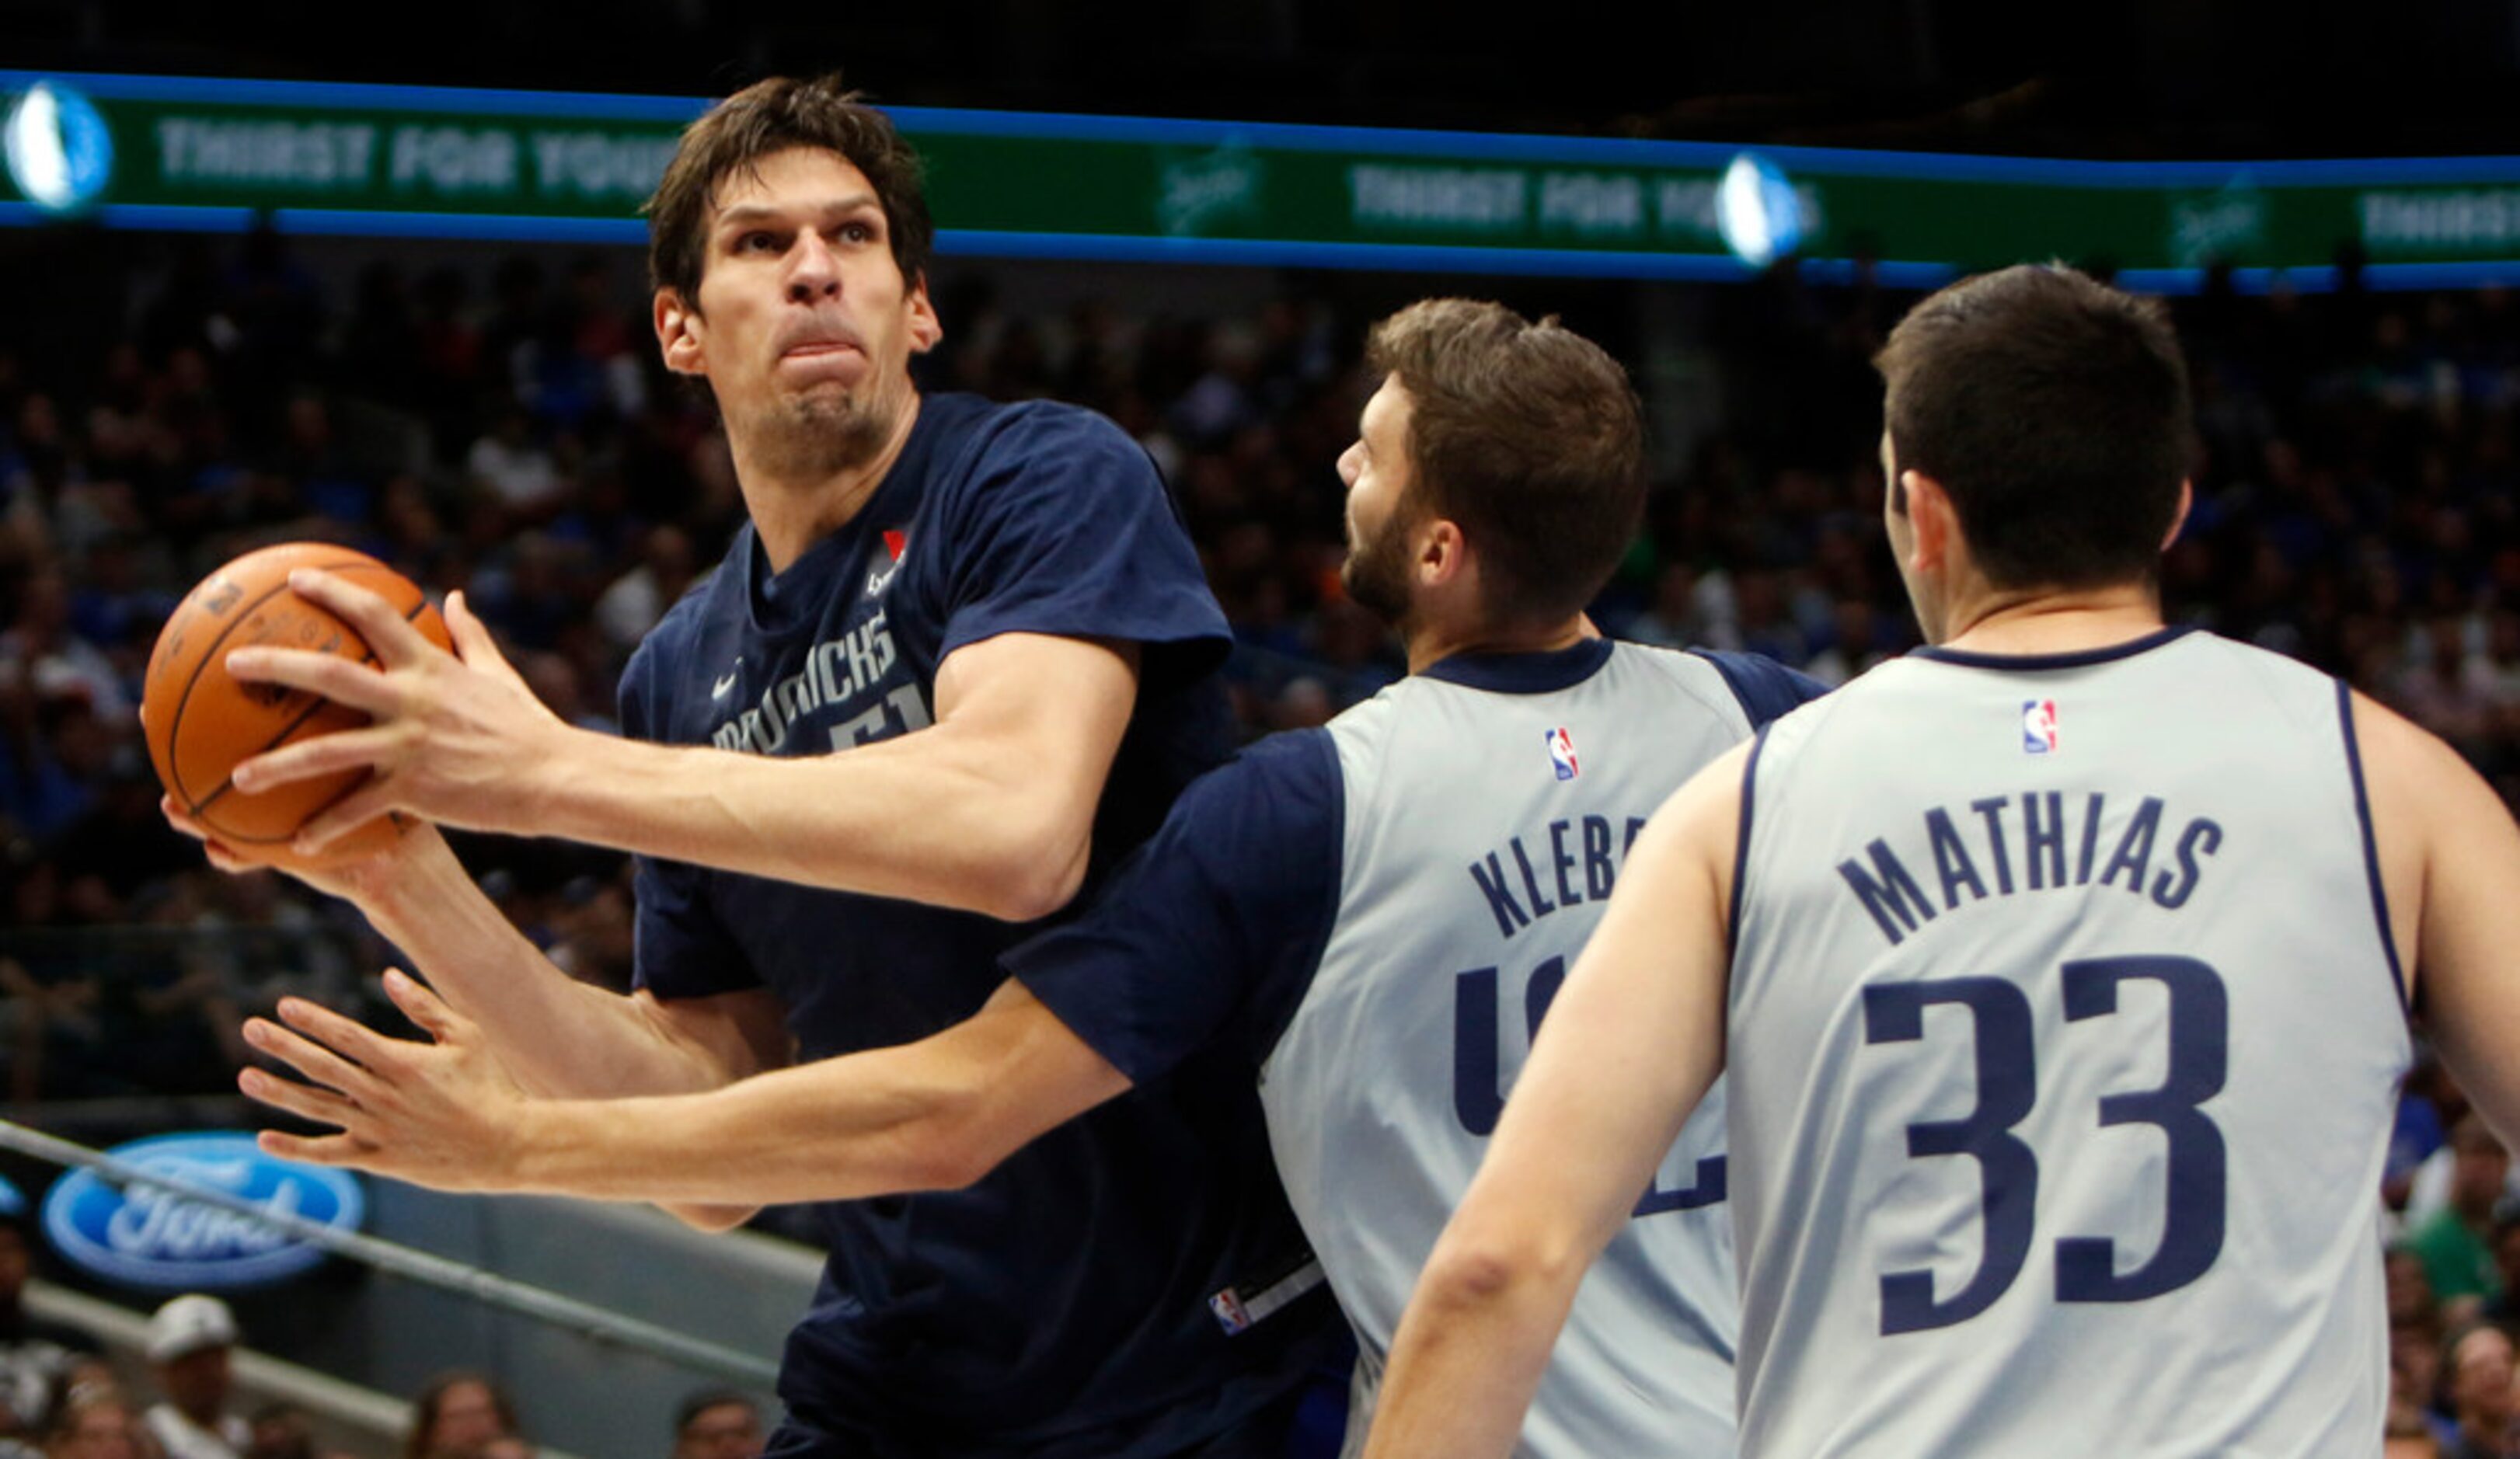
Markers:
<point>2435,827</point>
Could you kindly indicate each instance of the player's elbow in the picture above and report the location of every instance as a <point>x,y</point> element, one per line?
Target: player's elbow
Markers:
<point>711,1219</point>
<point>950,1165</point>
<point>1037,870</point>
<point>1476,1270</point>
<point>957,1138</point>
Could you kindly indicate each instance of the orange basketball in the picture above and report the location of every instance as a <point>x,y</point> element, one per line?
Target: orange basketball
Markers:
<point>200,724</point>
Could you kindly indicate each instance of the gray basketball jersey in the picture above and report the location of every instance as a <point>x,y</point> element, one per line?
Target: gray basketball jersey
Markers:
<point>1483,832</point>
<point>2065,1038</point>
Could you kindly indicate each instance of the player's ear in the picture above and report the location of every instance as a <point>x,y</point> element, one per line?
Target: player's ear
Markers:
<point>678,333</point>
<point>927,330</point>
<point>2178,518</point>
<point>1932,518</point>
<point>1443,552</point>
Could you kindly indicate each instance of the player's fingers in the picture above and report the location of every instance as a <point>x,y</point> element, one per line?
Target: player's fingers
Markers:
<point>326,675</point>
<point>345,1038</point>
<point>318,1061</point>
<point>472,642</point>
<point>390,634</point>
<point>316,1150</point>
<point>322,755</point>
<point>177,818</point>
<point>218,852</point>
<point>308,1102</point>
<point>421,1005</point>
<point>342,816</point>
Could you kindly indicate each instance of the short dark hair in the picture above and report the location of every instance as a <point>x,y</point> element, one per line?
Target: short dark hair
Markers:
<point>2054,410</point>
<point>421,1442</point>
<point>1526,435</point>
<point>773,116</point>
<point>705,1399</point>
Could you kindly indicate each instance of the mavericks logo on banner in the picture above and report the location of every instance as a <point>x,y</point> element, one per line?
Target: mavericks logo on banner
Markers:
<point>148,1236</point>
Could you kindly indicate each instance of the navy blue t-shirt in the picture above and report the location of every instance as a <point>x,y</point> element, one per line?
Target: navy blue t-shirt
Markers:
<point>1059,1305</point>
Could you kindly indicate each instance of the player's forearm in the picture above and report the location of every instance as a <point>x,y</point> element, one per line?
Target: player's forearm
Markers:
<point>1469,1352</point>
<point>941,816</point>
<point>879,1123</point>
<point>478,961</point>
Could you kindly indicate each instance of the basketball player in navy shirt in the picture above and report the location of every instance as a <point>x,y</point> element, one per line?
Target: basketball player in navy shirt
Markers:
<point>994,611</point>
<point>1349,908</point>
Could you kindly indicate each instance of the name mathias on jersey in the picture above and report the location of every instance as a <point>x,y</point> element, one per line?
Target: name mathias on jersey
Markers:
<point>2049,829</point>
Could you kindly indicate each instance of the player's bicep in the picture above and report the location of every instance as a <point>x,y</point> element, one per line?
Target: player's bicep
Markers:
<point>1635,1037</point>
<point>1026,1070</point>
<point>2449,858</point>
<point>1054,708</point>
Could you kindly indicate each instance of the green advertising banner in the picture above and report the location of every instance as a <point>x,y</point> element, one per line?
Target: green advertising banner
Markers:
<point>314,157</point>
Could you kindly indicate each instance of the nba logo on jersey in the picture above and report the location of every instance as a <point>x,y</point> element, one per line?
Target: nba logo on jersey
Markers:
<point>1562,753</point>
<point>1230,1312</point>
<point>2038,727</point>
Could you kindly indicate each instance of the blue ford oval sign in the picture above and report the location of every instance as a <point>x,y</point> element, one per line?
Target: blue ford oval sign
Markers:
<point>146,1236</point>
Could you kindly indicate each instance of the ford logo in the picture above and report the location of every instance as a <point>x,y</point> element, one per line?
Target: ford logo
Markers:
<point>146,1236</point>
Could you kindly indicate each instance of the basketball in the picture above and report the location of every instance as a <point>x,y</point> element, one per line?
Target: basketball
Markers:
<point>200,724</point>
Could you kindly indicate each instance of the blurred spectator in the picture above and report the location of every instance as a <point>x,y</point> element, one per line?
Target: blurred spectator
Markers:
<point>2415,1366</point>
<point>55,663</point>
<point>35,1355</point>
<point>717,1424</point>
<point>190,1341</point>
<point>92,1420</point>
<point>281,1432</point>
<point>2505,1305</point>
<point>2455,1243</point>
<point>2408,1430</point>
<point>2445,690</point>
<point>461,1411</point>
<point>2479,1373</point>
<point>633,602</point>
<point>2420,1130</point>
<point>2410,1299</point>
<point>1681,616</point>
<point>518,473</point>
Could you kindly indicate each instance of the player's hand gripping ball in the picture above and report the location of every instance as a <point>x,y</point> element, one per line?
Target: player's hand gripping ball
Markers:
<point>200,724</point>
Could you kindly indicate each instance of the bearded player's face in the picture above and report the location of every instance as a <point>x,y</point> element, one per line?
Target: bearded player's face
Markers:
<point>804,324</point>
<point>1376,472</point>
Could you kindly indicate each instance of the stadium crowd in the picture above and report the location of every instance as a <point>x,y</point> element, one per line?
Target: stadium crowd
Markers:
<point>63,1396</point>
<point>2354,508</point>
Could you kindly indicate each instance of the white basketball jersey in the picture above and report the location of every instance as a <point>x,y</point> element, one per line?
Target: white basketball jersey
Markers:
<point>2064,1044</point>
<point>1483,833</point>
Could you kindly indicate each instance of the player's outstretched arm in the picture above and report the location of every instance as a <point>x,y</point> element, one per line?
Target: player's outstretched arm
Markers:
<point>2450,855</point>
<point>1631,1044</point>
<point>932,1114</point>
<point>420,898</point>
<point>990,809</point>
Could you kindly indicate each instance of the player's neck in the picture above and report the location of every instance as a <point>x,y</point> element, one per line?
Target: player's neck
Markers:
<point>1431,643</point>
<point>2051,621</point>
<point>791,513</point>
